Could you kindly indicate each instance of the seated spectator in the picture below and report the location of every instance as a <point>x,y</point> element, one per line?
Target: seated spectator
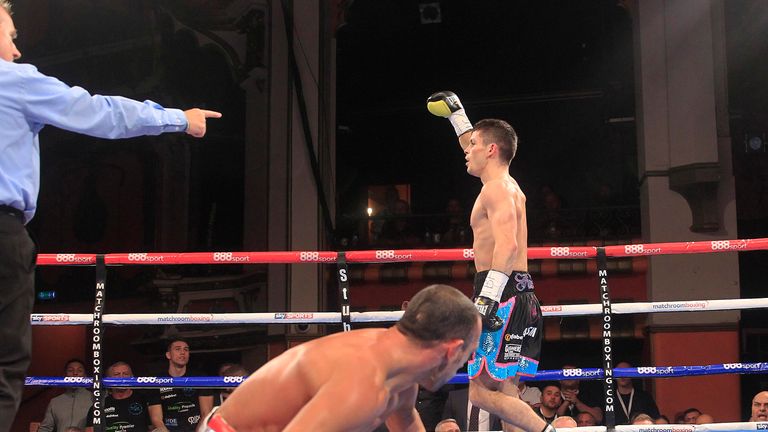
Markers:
<point>70,408</point>
<point>576,401</point>
<point>585,419</point>
<point>457,407</point>
<point>632,400</point>
<point>642,419</point>
<point>550,402</point>
<point>399,230</point>
<point>228,370</point>
<point>679,418</point>
<point>759,407</point>
<point>564,422</point>
<point>447,425</point>
<point>690,415</point>
<point>705,419</point>
<point>529,395</point>
<point>662,419</point>
<point>124,409</point>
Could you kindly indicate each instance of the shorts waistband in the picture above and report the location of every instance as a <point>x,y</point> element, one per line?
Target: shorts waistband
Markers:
<point>6,210</point>
<point>520,281</point>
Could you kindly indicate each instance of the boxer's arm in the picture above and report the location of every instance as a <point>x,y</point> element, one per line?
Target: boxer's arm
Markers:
<point>447,104</point>
<point>464,139</point>
<point>206,405</point>
<point>405,418</point>
<point>500,206</point>
<point>156,417</point>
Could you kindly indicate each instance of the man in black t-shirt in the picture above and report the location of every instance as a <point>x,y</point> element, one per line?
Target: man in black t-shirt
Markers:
<point>179,409</point>
<point>631,401</point>
<point>124,409</point>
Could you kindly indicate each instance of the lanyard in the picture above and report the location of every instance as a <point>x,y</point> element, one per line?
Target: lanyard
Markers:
<point>624,407</point>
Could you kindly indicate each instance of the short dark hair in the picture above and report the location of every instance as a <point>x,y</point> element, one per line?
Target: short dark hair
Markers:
<point>501,133</point>
<point>173,341</point>
<point>690,410</point>
<point>74,360</point>
<point>439,313</point>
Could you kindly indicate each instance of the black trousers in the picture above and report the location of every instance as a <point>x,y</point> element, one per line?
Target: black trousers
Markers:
<point>18,254</point>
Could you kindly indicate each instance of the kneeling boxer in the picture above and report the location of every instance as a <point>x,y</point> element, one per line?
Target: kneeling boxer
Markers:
<point>357,380</point>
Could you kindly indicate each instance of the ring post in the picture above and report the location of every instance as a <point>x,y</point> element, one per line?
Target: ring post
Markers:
<point>605,299</point>
<point>342,271</point>
<point>96,335</point>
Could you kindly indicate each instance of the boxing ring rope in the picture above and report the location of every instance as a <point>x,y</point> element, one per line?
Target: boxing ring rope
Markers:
<point>542,375</point>
<point>405,255</point>
<point>345,317</point>
<point>370,317</point>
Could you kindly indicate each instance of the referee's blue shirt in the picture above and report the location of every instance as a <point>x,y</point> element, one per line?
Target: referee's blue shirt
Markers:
<point>30,100</point>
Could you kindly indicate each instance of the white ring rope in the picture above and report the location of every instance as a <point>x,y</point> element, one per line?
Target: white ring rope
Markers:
<point>370,317</point>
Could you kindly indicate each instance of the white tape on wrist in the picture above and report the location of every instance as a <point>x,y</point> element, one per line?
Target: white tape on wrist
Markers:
<point>460,122</point>
<point>494,285</point>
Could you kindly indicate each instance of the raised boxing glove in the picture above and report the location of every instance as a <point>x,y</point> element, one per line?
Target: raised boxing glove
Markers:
<point>447,104</point>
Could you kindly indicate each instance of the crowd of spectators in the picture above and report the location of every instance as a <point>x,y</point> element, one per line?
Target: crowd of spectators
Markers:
<point>565,403</point>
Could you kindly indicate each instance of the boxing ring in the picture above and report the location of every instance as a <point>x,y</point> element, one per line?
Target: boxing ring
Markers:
<point>606,309</point>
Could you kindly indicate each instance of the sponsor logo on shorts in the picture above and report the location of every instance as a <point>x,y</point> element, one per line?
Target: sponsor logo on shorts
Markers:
<point>509,337</point>
<point>530,331</point>
<point>523,282</point>
<point>193,420</point>
<point>171,422</point>
<point>511,352</point>
<point>488,343</point>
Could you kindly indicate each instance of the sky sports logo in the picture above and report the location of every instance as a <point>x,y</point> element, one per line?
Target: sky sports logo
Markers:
<point>294,315</point>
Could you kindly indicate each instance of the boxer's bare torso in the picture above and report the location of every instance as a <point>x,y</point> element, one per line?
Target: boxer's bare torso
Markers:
<point>351,381</point>
<point>504,197</point>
